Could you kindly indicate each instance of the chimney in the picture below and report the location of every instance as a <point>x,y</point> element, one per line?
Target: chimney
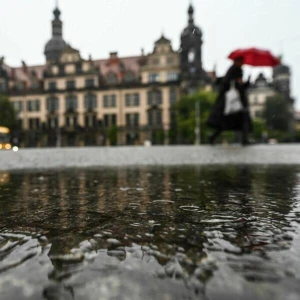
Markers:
<point>113,55</point>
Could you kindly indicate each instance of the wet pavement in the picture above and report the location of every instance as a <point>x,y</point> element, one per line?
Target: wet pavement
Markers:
<point>205,232</point>
<point>80,157</point>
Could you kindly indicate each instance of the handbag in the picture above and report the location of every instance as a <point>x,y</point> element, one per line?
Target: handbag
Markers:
<point>233,102</point>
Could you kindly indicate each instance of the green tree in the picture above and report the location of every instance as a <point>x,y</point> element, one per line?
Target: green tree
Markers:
<point>259,127</point>
<point>7,113</point>
<point>113,135</point>
<point>186,115</point>
<point>276,113</point>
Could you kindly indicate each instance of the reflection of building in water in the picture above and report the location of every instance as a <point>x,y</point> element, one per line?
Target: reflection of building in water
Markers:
<point>4,178</point>
<point>79,201</point>
<point>70,100</point>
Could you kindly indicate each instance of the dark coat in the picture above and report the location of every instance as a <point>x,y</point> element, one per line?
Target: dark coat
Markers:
<point>235,122</point>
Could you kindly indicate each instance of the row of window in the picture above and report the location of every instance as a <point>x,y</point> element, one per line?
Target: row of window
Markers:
<point>154,77</point>
<point>111,79</point>
<point>132,120</point>
<point>71,84</point>
<point>156,61</point>
<point>90,101</point>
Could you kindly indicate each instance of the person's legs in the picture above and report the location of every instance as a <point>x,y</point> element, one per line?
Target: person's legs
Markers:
<point>245,129</point>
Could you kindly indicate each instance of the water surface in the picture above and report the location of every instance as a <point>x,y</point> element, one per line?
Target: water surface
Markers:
<point>215,232</point>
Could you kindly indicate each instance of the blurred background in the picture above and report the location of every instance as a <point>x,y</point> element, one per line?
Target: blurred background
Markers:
<point>133,62</point>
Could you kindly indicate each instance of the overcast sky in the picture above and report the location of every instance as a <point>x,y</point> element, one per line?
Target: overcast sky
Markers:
<point>98,27</point>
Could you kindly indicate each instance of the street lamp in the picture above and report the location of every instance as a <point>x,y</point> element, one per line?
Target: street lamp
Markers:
<point>197,127</point>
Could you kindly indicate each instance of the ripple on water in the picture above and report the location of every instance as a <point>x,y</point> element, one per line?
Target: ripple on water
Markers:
<point>163,202</point>
<point>190,208</point>
<point>107,234</point>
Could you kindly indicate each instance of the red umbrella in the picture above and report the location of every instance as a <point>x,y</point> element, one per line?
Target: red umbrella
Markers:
<point>255,57</point>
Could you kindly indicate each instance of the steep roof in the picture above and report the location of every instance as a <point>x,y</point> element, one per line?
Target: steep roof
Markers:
<point>23,73</point>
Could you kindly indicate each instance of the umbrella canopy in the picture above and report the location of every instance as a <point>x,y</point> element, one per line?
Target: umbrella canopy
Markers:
<point>255,57</point>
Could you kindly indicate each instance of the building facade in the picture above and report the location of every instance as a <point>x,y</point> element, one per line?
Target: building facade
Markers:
<point>261,90</point>
<point>72,101</point>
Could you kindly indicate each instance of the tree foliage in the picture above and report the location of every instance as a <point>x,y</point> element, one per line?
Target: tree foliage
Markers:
<point>186,115</point>
<point>7,113</point>
<point>277,114</point>
<point>113,135</point>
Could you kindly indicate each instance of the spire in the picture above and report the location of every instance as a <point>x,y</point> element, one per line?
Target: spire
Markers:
<point>56,23</point>
<point>56,44</point>
<point>191,14</point>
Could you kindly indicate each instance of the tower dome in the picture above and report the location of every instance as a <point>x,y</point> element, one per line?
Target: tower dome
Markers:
<point>56,44</point>
<point>191,29</point>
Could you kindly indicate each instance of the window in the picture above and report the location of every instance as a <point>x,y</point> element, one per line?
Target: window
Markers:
<point>132,100</point>
<point>52,86</point>
<point>129,77</point>
<point>61,70</point>
<point>132,119</point>
<point>34,123</point>
<point>153,77</point>
<point>78,68</point>
<point>90,102</point>
<point>19,85</point>
<point>34,84</point>
<point>90,121</point>
<point>71,121</point>
<point>71,84</point>
<point>52,122</point>
<point>109,101</point>
<point>52,104</point>
<point>3,86</point>
<point>89,83</point>
<point>173,96</point>
<point>170,60</point>
<point>33,105</point>
<point>172,76</point>
<point>71,103</point>
<point>154,117</point>
<point>111,78</point>
<point>18,106</point>
<point>154,98</point>
<point>191,56</point>
<point>193,70</point>
<point>110,120</point>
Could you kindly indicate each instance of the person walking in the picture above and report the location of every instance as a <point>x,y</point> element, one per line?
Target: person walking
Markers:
<point>237,121</point>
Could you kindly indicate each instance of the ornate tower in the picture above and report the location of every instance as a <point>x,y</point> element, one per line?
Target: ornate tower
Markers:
<point>56,44</point>
<point>282,78</point>
<point>192,74</point>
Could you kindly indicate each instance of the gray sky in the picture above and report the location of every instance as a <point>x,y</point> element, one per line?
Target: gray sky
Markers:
<point>98,27</point>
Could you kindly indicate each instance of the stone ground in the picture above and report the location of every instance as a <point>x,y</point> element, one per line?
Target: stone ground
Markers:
<point>156,155</point>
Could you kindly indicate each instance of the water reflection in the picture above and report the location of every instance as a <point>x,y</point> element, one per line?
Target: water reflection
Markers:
<point>186,232</point>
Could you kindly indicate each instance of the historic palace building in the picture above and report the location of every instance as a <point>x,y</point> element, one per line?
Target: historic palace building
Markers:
<point>72,101</point>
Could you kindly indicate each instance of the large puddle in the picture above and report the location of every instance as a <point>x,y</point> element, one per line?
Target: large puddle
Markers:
<point>229,232</point>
